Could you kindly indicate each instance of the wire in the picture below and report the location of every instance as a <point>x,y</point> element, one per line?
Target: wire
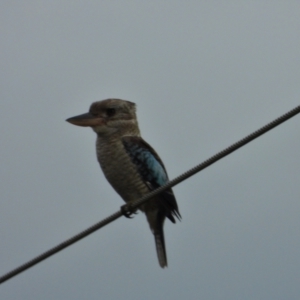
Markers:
<point>129,208</point>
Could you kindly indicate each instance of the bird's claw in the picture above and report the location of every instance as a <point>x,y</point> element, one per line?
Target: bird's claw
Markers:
<point>127,211</point>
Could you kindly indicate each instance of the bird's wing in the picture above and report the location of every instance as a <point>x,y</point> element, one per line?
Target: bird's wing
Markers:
<point>152,171</point>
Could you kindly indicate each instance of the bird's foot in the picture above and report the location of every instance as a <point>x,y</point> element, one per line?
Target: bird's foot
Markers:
<point>127,210</point>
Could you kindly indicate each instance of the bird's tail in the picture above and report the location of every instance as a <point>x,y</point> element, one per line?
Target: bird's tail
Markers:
<point>156,222</point>
<point>160,247</point>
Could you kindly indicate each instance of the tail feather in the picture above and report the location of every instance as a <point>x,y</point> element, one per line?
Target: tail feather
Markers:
<point>156,221</point>
<point>161,248</point>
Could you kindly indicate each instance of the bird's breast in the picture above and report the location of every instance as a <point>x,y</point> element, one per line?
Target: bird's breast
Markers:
<point>119,170</point>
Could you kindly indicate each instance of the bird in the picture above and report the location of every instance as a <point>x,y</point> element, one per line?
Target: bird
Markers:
<point>130,164</point>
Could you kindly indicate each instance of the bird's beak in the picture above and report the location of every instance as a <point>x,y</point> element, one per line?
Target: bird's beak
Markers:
<point>86,120</point>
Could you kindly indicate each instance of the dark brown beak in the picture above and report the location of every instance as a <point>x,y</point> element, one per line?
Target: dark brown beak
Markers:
<point>86,120</point>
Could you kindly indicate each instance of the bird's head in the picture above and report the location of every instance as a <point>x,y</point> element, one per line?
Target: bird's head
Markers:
<point>108,117</point>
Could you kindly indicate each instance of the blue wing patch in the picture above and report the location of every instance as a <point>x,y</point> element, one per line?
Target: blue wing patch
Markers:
<point>147,161</point>
<point>152,171</point>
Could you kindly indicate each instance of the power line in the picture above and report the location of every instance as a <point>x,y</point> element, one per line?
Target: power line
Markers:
<point>127,209</point>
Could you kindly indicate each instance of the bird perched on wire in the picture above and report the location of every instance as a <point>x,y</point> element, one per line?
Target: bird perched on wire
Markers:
<point>131,165</point>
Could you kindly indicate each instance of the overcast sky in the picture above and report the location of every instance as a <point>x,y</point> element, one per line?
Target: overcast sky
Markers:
<point>203,75</point>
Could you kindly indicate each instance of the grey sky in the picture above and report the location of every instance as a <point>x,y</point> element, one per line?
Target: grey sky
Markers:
<point>203,74</point>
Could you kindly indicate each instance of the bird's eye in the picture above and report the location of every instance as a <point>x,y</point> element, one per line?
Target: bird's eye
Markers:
<point>110,112</point>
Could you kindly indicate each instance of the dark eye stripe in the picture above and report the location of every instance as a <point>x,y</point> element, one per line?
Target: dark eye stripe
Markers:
<point>110,112</point>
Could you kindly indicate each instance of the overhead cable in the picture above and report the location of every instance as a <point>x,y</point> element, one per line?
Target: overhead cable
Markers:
<point>127,209</point>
